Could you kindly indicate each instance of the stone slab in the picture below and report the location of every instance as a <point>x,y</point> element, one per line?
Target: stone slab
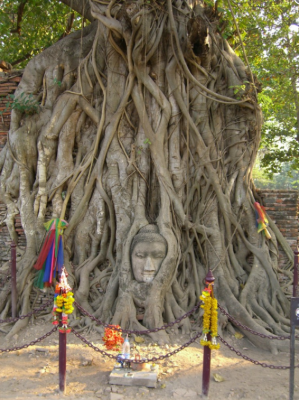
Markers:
<point>128,377</point>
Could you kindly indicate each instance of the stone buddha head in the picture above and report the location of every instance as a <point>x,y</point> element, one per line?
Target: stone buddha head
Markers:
<point>148,250</point>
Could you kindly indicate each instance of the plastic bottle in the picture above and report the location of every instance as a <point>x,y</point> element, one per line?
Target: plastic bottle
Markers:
<point>126,348</point>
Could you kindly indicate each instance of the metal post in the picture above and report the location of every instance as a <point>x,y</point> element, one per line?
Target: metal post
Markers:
<point>13,265</point>
<point>206,372</point>
<point>294,322</point>
<point>207,352</point>
<point>295,283</point>
<point>292,361</point>
<point>62,358</point>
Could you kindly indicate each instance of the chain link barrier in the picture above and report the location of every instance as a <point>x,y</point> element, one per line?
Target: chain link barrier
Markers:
<point>153,359</point>
<point>36,310</point>
<point>246,328</point>
<point>145,360</point>
<point>163,327</point>
<point>264,365</point>
<point>40,339</point>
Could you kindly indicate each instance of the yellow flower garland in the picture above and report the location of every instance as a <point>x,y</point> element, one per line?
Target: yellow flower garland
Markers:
<point>65,303</point>
<point>210,320</point>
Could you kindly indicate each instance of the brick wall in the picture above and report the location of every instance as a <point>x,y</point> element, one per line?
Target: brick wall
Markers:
<point>283,208</point>
<point>8,84</point>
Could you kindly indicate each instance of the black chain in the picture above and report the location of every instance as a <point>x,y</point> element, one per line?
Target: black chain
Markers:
<point>36,310</point>
<point>145,360</point>
<point>246,328</point>
<point>31,343</point>
<point>264,365</point>
<point>137,332</point>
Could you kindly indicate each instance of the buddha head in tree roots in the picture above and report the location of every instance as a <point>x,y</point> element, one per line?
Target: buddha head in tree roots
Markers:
<point>148,251</point>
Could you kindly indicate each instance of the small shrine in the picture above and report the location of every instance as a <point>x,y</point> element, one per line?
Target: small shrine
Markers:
<point>129,370</point>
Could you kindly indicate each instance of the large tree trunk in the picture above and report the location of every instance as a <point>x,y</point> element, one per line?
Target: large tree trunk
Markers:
<point>146,117</point>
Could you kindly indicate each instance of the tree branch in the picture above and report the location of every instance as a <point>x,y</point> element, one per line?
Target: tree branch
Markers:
<point>24,58</point>
<point>81,6</point>
<point>20,17</point>
<point>69,25</point>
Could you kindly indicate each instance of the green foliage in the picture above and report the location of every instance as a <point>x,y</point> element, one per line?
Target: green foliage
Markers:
<point>59,83</point>
<point>23,103</point>
<point>260,178</point>
<point>209,2</point>
<point>270,34</point>
<point>139,150</point>
<point>285,179</point>
<point>269,30</point>
<point>43,23</point>
<point>237,88</point>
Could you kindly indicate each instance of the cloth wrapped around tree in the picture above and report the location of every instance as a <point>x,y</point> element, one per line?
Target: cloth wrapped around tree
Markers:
<point>261,220</point>
<point>50,261</point>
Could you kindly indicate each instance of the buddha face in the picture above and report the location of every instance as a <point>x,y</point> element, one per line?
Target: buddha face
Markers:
<point>146,259</point>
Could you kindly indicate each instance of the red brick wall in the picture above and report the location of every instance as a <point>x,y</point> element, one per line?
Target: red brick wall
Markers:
<point>8,84</point>
<point>283,208</point>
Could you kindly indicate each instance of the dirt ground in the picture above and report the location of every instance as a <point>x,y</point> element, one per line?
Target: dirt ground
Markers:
<point>32,373</point>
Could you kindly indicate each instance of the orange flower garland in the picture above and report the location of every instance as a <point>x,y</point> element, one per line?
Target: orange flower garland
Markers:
<point>112,339</point>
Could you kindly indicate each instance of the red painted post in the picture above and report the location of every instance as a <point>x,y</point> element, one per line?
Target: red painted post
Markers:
<point>13,265</point>
<point>62,358</point>
<point>295,283</point>
<point>206,372</point>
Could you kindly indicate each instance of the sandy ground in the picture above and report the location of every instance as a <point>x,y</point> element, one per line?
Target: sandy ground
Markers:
<point>32,373</point>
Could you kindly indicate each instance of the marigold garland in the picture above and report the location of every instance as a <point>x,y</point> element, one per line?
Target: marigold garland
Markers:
<point>210,320</point>
<point>112,339</point>
<point>63,303</point>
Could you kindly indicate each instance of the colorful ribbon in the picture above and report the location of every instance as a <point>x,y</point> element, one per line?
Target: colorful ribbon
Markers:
<point>261,220</point>
<point>50,261</point>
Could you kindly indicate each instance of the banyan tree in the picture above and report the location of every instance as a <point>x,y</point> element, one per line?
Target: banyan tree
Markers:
<point>143,138</point>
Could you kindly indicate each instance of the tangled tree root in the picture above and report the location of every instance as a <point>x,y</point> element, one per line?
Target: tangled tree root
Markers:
<point>144,127</point>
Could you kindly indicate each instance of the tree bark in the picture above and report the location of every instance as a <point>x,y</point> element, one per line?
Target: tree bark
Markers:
<point>145,128</point>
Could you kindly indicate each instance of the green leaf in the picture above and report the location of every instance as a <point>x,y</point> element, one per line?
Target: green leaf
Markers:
<point>43,23</point>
